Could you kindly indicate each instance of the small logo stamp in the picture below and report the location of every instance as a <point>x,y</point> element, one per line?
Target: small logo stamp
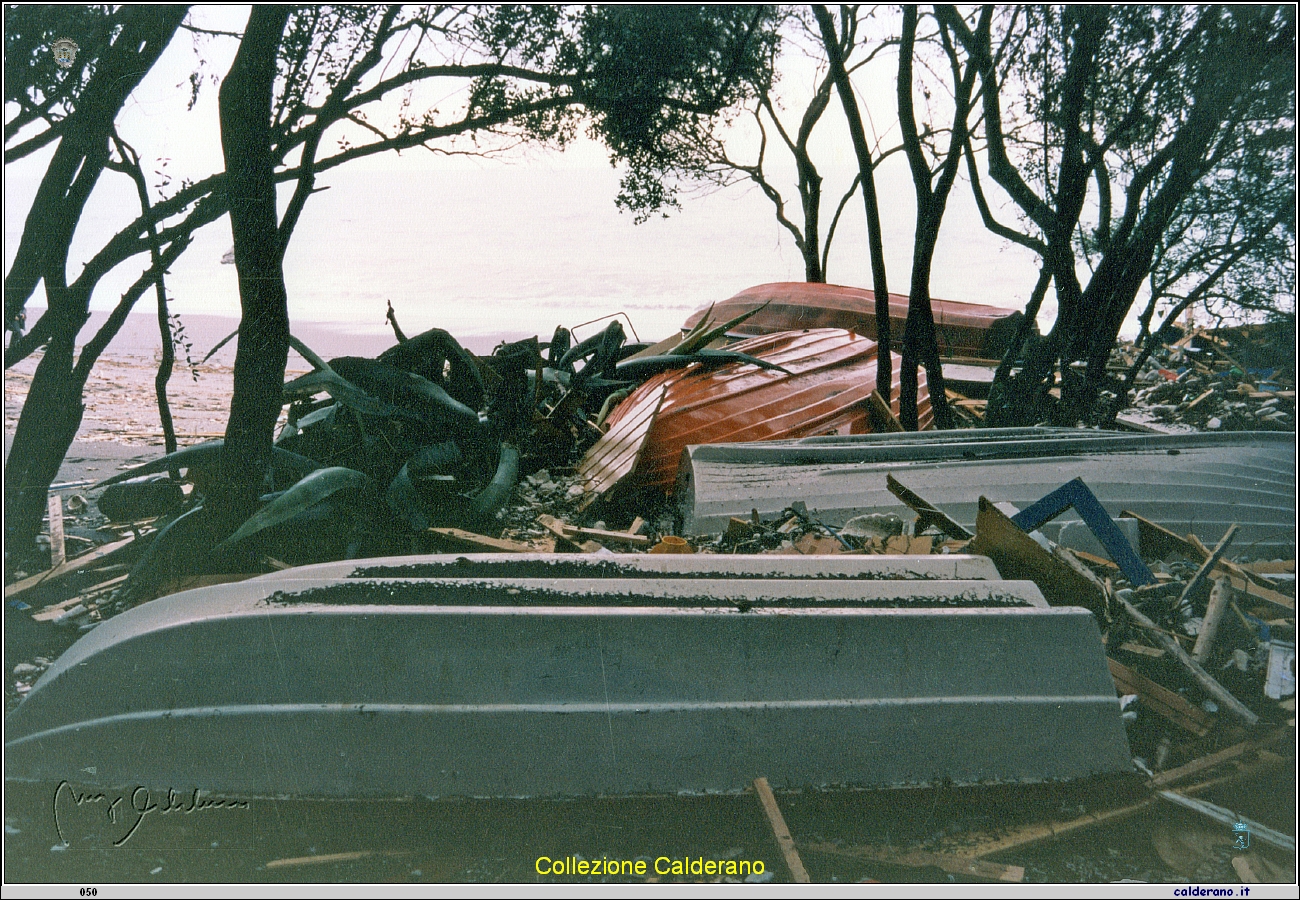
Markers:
<point>1242,832</point>
<point>65,53</point>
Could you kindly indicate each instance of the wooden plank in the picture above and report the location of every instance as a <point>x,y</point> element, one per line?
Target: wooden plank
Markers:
<point>1142,649</point>
<point>600,534</point>
<point>56,611</point>
<point>1207,681</point>
<point>1157,541</point>
<point>58,554</point>
<point>1038,831</point>
<point>1195,403</point>
<point>462,539</point>
<point>882,417</point>
<point>1093,560</point>
<point>779,830</point>
<point>1271,567</point>
<point>556,527</point>
<point>920,859</point>
<point>73,565</point>
<point>1249,589</point>
<point>1215,759</point>
<point>1206,566</point>
<point>1233,569</point>
<point>929,515</point>
<point>1017,555</point>
<point>1159,699</point>
<point>1220,594</point>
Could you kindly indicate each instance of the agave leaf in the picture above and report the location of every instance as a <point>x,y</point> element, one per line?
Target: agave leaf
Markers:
<point>307,493</point>
<point>695,341</point>
<point>345,392</point>
<point>187,457</point>
<point>737,356</point>
<point>207,454</point>
<point>706,321</point>
<point>221,343</point>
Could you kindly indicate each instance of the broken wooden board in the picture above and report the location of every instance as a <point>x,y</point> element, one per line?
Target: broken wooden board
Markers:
<point>1156,541</point>
<point>784,841</point>
<point>882,417</point>
<point>1160,700</point>
<point>56,611</point>
<point>987,845</point>
<point>920,859</point>
<point>73,565</point>
<point>563,542</point>
<point>615,455</point>
<point>818,545</point>
<point>1226,755</point>
<point>601,534</point>
<point>461,539</point>
<point>927,514</point>
<point>1017,555</point>
<point>58,553</point>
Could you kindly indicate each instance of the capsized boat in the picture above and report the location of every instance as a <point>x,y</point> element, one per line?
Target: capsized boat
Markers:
<point>555,676</point>
<point>962,329</point>
<point>830,375</point>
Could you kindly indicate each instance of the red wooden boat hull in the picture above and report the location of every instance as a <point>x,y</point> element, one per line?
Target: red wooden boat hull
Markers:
<point>962,328</point>
<point>834,372</point>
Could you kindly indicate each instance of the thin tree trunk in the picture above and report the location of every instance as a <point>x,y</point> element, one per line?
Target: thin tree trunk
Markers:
<point>884,365</point>
<point>263,349</point>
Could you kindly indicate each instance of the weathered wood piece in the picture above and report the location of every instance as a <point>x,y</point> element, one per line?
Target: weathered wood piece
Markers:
<point>55,513</point>
<point>882,417</point>
<point>1142,649</point>
<point>1160,700</point>
<point>1157,541</point>
<point>73,565</point>
<point>927,514</point>
<point>1204,678</point>
<point>600,534</point>
<point>1215,759</point>
<point>1017,555</point>
<point>1207,566</point>
<point>920,859</point>
<point>1220,594</point>
<point>461,539</point>
<point>798,874</point>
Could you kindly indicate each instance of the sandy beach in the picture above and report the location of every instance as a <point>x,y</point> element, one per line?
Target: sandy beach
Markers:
<point>120,402</point>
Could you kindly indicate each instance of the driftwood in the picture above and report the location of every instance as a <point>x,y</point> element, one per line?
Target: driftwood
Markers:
<point>1220,594</point>
<point>1203,678</point>
<point>798,874</point>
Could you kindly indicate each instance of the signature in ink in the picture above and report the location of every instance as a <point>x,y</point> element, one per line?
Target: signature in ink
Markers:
<point>130,810</point>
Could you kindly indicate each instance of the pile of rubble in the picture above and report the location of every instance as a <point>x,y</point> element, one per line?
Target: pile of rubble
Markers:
<point>1199,382</point>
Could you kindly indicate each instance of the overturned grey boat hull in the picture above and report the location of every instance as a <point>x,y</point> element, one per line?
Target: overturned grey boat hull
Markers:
<point>313,683</point>
<point>1198,483</point>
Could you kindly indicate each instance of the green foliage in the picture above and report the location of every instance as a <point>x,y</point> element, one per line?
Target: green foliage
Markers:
<point>37,88</point>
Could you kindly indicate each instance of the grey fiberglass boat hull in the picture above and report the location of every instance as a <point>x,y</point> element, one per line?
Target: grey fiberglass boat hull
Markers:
<point>313,683</point>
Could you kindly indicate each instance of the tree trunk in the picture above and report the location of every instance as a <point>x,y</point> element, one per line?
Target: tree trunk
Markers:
<point>53,409</point>
<point>263,349</point>
<point>49,421</point>
<point>884,368</point>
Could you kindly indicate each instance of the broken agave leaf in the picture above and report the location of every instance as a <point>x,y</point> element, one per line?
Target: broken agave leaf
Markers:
<point>207,454</point>
<point>311,490</point>
<point>693,341</point>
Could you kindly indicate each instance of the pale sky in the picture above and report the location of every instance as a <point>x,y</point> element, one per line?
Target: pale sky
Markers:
<point>523,242</point>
